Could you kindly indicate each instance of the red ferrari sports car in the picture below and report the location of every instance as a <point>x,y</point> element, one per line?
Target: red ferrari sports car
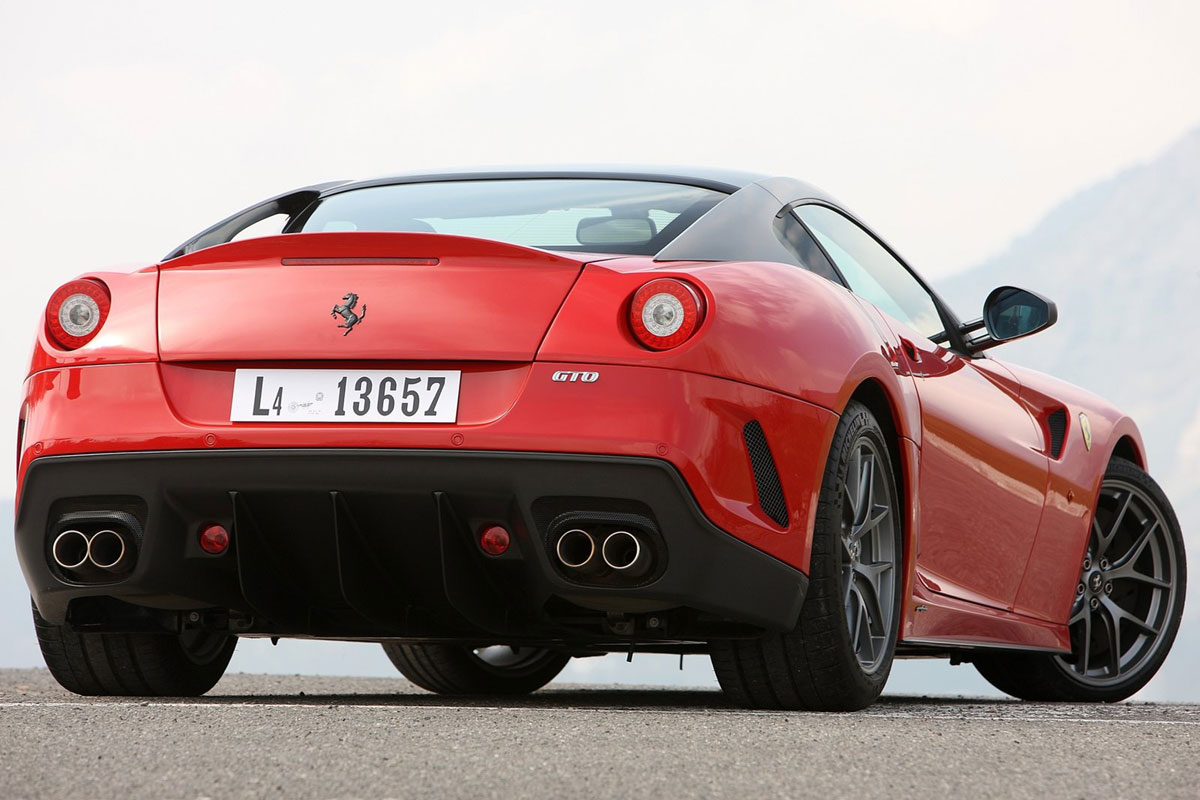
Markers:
<point>497,420</point>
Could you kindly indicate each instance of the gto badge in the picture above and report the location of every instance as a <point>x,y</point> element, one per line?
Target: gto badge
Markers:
<point>347,311</point>
<point>564,376</point>
<point>1085,427</point>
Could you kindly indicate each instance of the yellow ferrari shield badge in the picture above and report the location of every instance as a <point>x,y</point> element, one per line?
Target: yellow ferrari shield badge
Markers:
<point>1085,427</point>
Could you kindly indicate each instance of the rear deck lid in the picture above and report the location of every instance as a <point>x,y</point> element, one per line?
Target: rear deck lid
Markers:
<point>361,296</point>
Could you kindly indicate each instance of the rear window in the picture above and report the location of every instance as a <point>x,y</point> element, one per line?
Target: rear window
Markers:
<point>617,216</point>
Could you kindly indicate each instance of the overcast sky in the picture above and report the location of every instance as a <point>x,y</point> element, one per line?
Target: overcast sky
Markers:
<point>950,126</point>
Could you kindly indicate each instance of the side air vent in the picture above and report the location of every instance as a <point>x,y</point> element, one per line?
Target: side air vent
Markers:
<point>1056,420</point>
<point>766,476</point>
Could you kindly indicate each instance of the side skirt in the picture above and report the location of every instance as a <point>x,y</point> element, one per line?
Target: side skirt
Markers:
<point>943,622</point>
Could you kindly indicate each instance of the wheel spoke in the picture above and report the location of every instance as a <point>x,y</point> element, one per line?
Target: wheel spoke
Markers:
<point>1120,615</point>
<point>873,573</point>
<point>1105,541</point>
<point>850,496</point>
<point>854,616</point>
<point>1083,617</point>
<point>866,490</point>
<point>1126,572</point>
<point>1139,545</point>
<point>877,514</point>
<point>853,487</point>
<point>864,628</point>
<point>1158,583</point>
<point>871,601</point>
<point>864,470</point>
<point>1087,640</point>
<point>1097,536</point>
<point>1112,632</point>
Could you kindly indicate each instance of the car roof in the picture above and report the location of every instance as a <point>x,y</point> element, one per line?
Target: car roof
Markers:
<point>737,229</point>
<point>721,180</point>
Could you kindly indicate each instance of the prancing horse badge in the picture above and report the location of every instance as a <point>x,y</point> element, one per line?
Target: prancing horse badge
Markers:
<point>1085,427</point>
<point>346,309</point>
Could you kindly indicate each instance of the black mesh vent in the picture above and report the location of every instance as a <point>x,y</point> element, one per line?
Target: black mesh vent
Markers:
<point>766,476</point>
<point>1057,421</point>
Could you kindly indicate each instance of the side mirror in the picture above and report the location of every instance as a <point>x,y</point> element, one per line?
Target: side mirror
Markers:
<point>1011,313</point>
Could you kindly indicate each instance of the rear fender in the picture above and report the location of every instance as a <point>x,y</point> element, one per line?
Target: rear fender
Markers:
<point>769,325</point>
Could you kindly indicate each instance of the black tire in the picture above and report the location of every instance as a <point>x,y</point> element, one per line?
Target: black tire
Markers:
<point>817,666</point>
<point>133,664</point>
<point>462,670</point>
<point>1049,678</point>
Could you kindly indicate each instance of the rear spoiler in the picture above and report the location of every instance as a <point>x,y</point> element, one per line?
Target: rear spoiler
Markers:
<point>367,247</point>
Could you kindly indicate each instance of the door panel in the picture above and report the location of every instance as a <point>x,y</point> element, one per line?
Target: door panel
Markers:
<point>983,477</point>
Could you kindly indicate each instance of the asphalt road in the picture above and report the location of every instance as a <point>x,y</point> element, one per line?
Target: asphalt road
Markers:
<point>297,737</point>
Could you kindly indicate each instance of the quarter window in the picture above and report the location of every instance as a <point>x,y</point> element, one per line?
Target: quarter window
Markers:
<point>801,246</point>
<point>871,271</point>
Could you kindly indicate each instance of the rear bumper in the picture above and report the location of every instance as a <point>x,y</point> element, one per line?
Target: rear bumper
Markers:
<point>380,543</point>
<point>693,422</point>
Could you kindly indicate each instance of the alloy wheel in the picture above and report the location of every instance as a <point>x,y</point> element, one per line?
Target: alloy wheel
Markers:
<point>868,554</point>
<point>1126,589</point>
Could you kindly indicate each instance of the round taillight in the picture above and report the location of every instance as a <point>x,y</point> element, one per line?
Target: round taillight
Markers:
<point>75,313</point>
<point>665,313</point>
<point>214,539</point>
<point>494,540</point>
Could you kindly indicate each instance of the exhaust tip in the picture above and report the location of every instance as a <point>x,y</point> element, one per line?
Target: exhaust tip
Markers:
<point>70,549</point>
<point>623,552</point>
<point>575,548</point>
<point>107,549</point>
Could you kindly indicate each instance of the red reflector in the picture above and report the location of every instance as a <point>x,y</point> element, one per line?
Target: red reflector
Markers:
<point>494,540</point>
<point>214,539</point>
<point>351,261</point>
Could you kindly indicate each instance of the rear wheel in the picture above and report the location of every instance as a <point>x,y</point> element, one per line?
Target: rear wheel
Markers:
<point>463,670</point>
<point>134,664</point>
<point>839,655</point>
<point>1128,602</point>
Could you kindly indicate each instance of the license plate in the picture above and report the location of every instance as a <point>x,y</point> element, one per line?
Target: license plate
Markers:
<point>330,395</point>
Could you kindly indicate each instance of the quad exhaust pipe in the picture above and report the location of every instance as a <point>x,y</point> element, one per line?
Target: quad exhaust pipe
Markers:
<point>107,549</point>
<point>620,552</point>
<point>70,549</point>
<point>576,549</point>
<point>73,549</point>
<point>623,552</point>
